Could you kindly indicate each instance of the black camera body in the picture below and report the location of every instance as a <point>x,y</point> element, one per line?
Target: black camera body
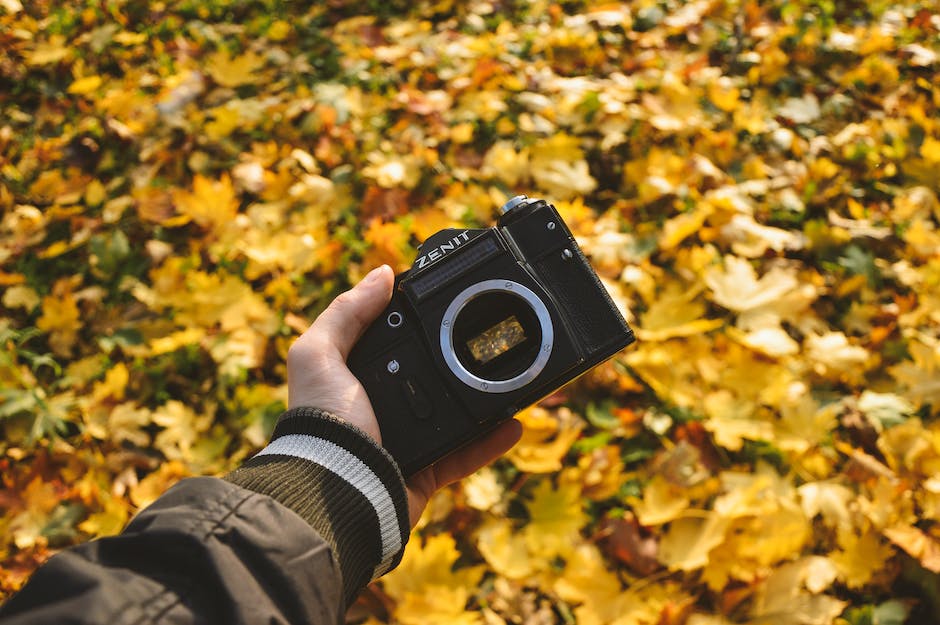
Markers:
<point>485,323</point>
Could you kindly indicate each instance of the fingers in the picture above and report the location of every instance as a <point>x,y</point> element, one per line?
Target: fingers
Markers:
<point>459,465</point>
<point>465,461</point>
<point>347,317</point>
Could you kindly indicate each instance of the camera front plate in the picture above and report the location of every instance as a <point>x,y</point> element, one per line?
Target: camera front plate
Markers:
<point>449,349</point>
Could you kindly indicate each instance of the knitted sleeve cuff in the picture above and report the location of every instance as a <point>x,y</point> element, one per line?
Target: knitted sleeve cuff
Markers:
<point>342,483</point>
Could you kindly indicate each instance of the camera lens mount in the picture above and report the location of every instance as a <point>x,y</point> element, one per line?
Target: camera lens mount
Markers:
<point>505,328</point>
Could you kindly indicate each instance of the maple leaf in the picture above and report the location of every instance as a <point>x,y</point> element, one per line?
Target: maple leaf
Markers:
<point>736,286</point>
<point>504,162</point>
<point>392,170</point>
<point>677,312</point>
<point>506,550</point>
<point>49,52</point>
<point>686,544</point>
<point>37,501</point>
<point>546,439</point>
<point>916,543</point>
<point>587,582</point>
<point>600,473</point>
<point>212,204</point>
<point>60,317</point>
<point>389,243</point>
<point>108,521</point>
<point>828,499</point>
<point>231,71</point>
<point>181,429</point>
<point>790,596</point>
<point>154,484</point>
<point>427,587</point>
<point>861,557</point>
<point>557,165</point>
<point>483,489</point>
<point>920,377</point>
<point>662,502</point>
<point>556,516</point>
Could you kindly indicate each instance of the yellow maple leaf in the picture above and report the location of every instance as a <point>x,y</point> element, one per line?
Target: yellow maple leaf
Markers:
<point>113,385</point>
<point>482,489</point>
<point>733,419</point>
<point>557,166</point>
<point>108,521</point>
<point>833,356</point>
<point>803,422</point>
<point>930,150</point>
<point>828,499</point>
<point>862,555</point>
<point>724,95</point>
<point>225,120</point>
<point>789,596</point>
<point>921,376</point>
<point>556,515</point>
<point>910,448</point>
<point>506,550</point>
<point>86,85</point>
<point>60,317</point>
<point>127,422</point>
<point>675,312</point>
<point>599,472</point>
<point>389,243</point>
<point>37,500</point>
<point>587,581</point>
<point>737,287</point>
<point>172,342</point>
<point>220,298</point>
<point>20,296</point>
<point>684,225</point>
<point>671,368</point>
<point>428,221</point>
<point>212,204</point>
<point>52,51</point>
<point>601,601</point>
<point>393,170</point>
<point>427,587</point>
<point>769,538</point>
<point>182,429</point>
<point>505,163</point>
<point>662,502</point>
<point>147,490</point>
<point>546,439</point>
<point>686,544</point>
<point>231,71</point>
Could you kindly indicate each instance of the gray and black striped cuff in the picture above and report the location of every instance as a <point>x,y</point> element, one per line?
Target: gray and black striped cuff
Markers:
<point>342,483</point>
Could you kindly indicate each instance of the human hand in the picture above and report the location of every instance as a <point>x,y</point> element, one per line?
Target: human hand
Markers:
<point>317,376</point>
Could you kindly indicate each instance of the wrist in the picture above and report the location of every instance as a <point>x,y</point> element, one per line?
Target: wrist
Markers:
<point>338,479</point>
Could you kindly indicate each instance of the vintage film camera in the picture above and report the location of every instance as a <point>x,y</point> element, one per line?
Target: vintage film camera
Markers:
<point>486,322</point>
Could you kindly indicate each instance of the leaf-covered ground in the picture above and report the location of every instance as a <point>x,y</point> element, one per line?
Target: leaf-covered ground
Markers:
<point>184,184</point>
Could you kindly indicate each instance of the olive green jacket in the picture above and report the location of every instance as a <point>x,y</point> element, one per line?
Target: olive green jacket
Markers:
<point>291,536</point>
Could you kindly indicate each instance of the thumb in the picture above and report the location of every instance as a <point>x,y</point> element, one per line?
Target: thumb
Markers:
<point>347,316</point>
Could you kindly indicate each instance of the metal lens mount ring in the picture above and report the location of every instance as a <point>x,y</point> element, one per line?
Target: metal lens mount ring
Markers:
<point>447,336</point>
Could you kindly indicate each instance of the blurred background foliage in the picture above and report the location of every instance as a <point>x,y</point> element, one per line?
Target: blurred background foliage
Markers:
<point>184,185</point>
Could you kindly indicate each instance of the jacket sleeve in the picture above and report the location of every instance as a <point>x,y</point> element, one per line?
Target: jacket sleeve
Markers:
<point>289,537</point>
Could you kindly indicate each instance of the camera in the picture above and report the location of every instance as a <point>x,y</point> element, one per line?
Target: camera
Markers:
<point>485,323</point>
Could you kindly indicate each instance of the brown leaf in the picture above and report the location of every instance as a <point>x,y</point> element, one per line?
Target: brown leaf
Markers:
<point>624,541</point>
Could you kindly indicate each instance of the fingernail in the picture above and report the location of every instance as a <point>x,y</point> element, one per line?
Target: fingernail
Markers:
<point>373,275</point>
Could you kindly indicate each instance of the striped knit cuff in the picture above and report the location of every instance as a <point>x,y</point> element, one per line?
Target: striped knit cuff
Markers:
<point>342,483</point>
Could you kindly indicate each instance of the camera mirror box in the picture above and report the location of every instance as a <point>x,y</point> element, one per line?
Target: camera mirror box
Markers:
<point>485,323</point>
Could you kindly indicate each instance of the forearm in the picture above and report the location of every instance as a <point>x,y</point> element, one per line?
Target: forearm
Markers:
<point>290,537</point>
<point>342,483</point>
